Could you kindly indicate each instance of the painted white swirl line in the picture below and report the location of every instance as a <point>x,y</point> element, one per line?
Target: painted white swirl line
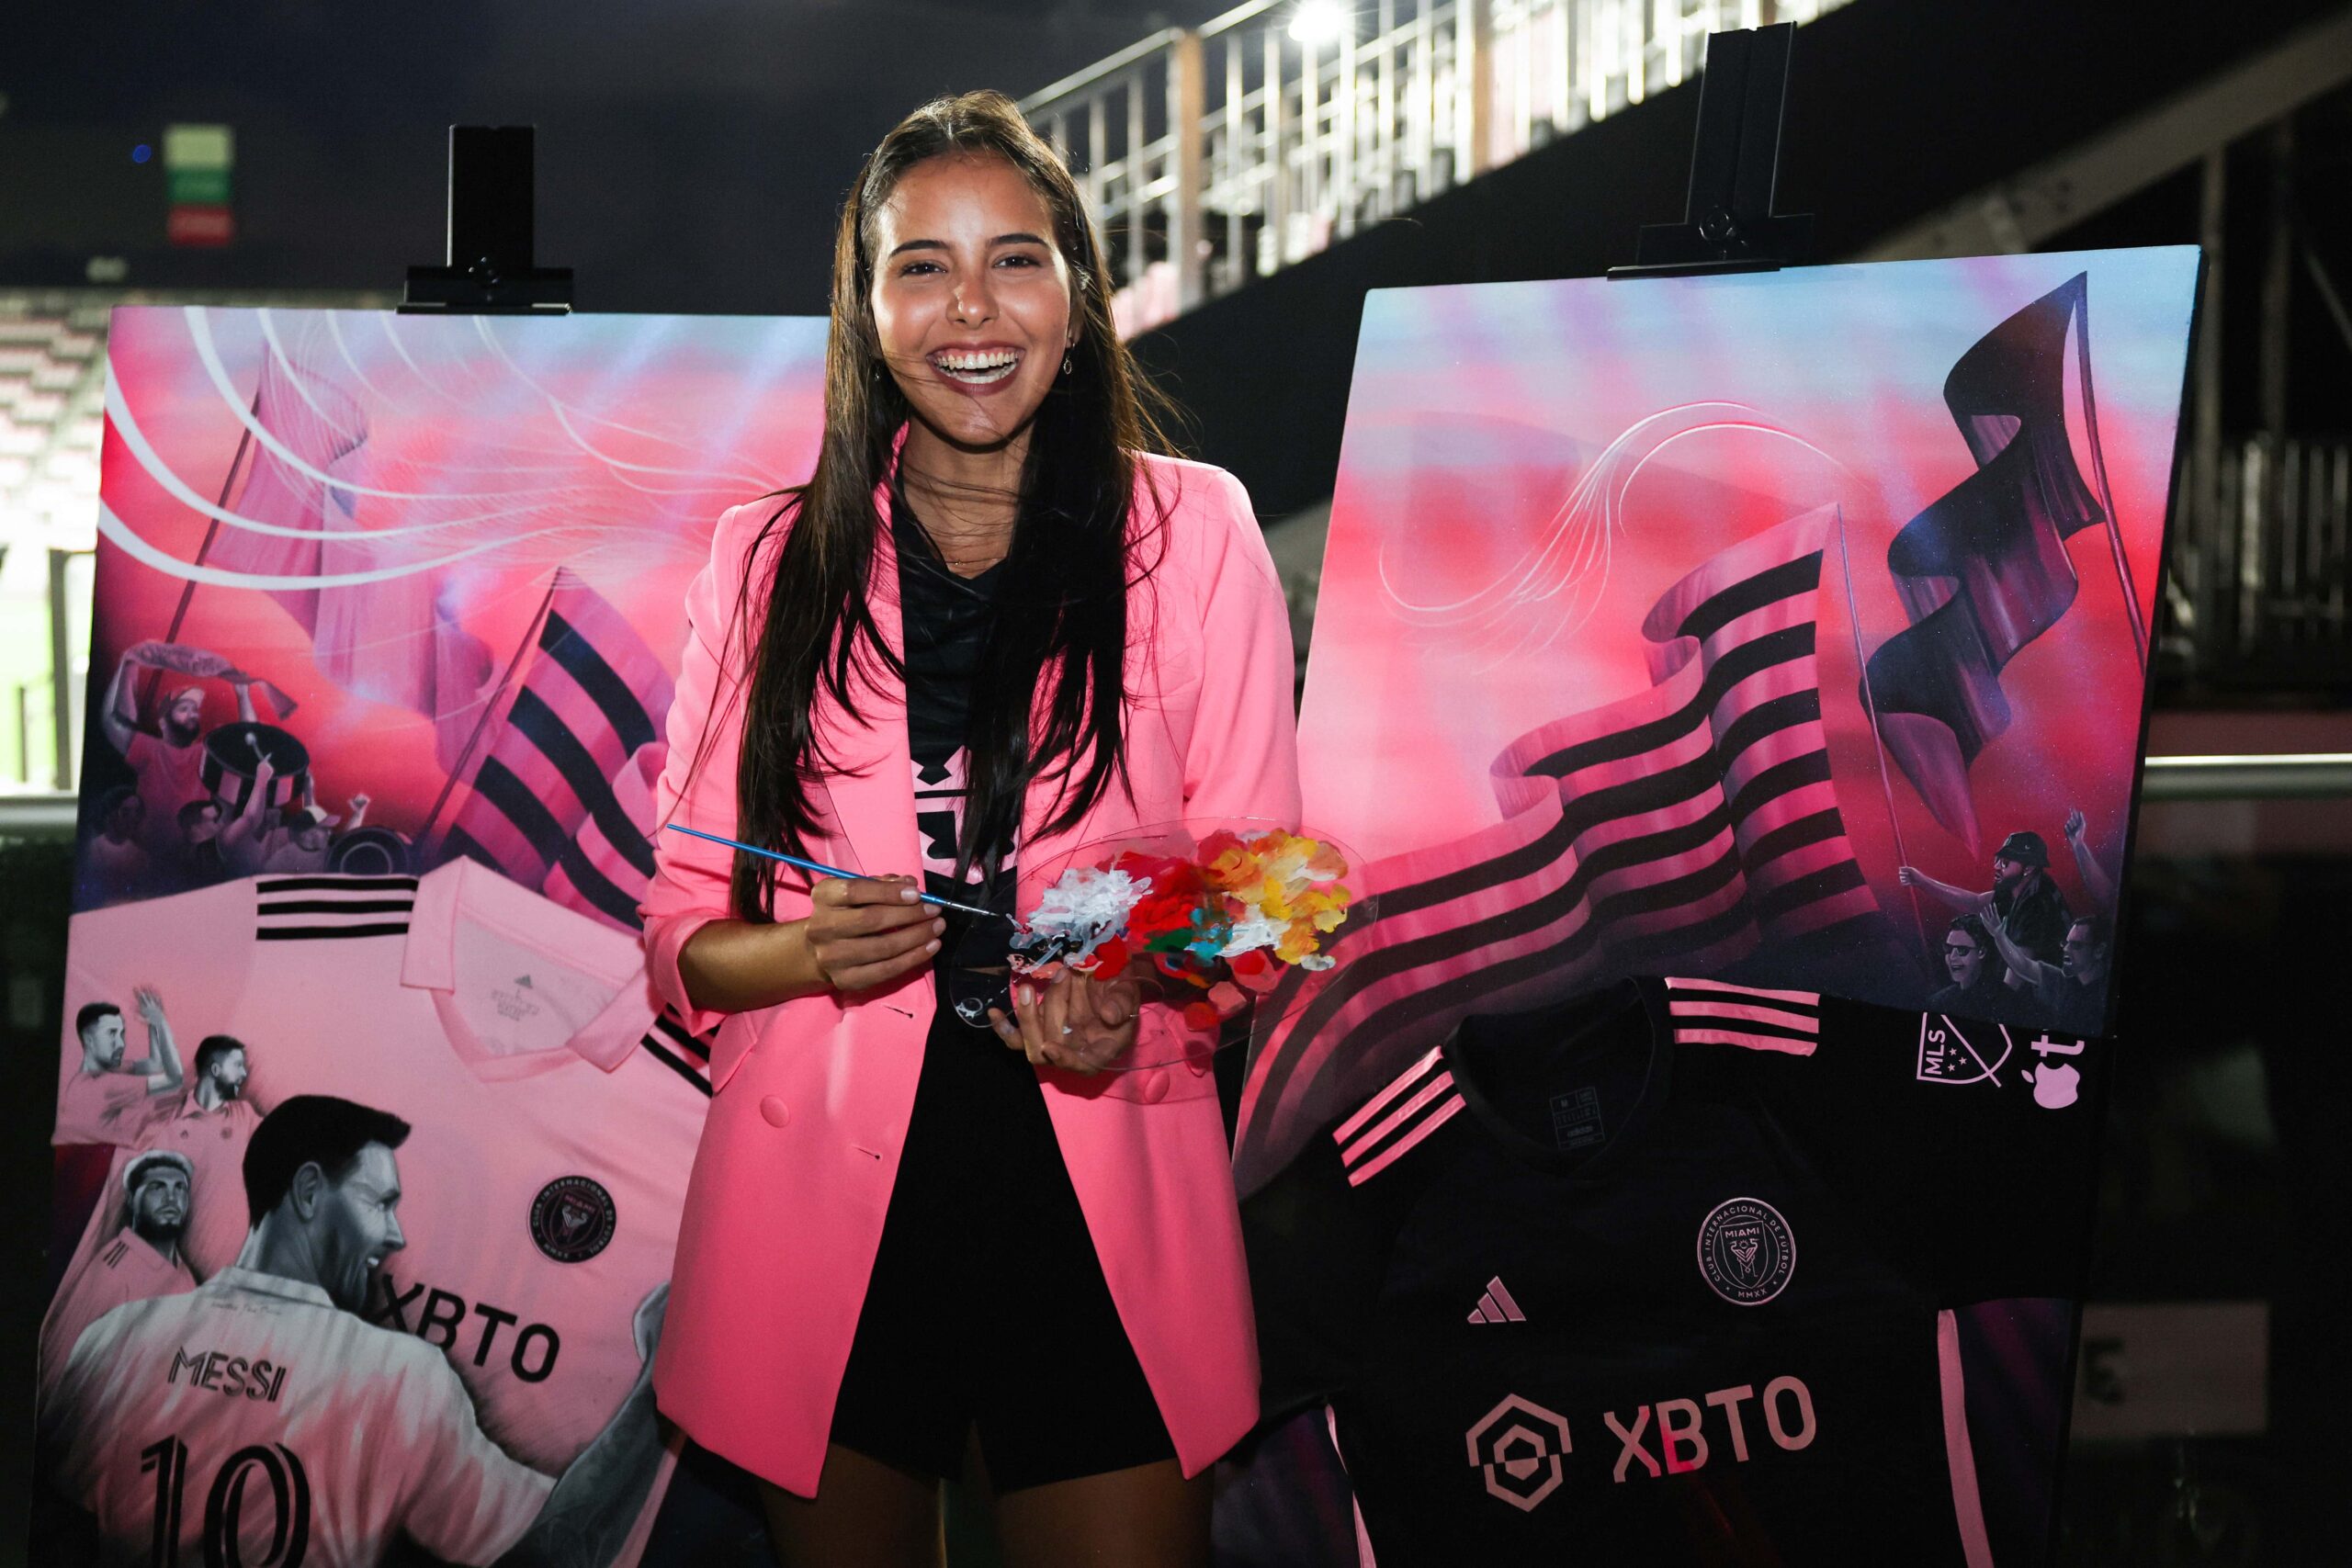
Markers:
<point>132,544</point>
<point>385,319</point>
<point>126,425</point>
<point>1510,585</point>
<point>621,468</point>
<point>298,376</point>
<point>200,333</point>
<point>343,346</point>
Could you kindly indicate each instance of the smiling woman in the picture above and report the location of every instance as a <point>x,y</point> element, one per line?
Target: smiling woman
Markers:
<point>975,323</point>
<point>993,624</point>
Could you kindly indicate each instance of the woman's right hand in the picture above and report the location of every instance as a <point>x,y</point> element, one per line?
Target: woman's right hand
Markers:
<point>866,931</point>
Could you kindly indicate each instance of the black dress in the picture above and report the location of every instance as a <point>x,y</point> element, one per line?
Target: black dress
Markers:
<point>986,1309</point>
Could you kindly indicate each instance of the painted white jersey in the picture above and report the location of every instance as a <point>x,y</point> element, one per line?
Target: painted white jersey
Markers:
<point>554,1119</point>
<point>252,1421</point>
<point>104,1107</point>
<point>118,1268</point>
<point>213,1143</point>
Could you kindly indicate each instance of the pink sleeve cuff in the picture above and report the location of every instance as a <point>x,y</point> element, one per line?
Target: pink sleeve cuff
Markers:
<point>665,937</point>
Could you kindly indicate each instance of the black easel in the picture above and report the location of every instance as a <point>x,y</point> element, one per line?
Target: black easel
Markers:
<point>1728,223</point>
<point>489,269</point>
<point>490,228</point>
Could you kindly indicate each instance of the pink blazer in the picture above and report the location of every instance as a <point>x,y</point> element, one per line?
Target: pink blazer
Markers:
<point>783,1213</point>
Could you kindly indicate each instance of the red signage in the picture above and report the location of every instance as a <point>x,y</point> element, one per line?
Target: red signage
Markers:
<point>200,226</point>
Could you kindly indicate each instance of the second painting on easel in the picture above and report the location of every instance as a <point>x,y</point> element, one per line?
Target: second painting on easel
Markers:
<point>1788,628</point>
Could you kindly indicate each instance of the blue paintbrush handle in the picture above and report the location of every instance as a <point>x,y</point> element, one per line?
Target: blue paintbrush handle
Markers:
<point>823,870</point>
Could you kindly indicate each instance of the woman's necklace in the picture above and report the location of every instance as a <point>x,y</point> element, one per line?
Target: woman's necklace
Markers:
<point>930,563</point>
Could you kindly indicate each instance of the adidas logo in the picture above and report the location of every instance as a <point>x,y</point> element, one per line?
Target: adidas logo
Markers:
<point>1496,1305</point>
<point>524,981</point>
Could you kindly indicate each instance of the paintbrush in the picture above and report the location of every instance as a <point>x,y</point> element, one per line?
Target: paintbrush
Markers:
<point>823,870</point>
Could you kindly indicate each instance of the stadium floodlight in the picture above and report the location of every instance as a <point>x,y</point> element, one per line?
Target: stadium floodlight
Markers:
<point>1317,22</point>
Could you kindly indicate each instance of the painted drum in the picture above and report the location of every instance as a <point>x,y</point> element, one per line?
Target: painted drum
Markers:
<point>372,852</point>
<point>231,753</point>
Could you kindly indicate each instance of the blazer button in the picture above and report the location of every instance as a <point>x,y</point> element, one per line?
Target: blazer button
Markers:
<point>1154,1087</point>
<point>776,1110</point>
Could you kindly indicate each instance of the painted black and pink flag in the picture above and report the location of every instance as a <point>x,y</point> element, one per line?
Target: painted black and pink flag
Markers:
<point>1984,570</point>
<point>557,798</point>
<point>1667,627</point>
<point>1691,829</point>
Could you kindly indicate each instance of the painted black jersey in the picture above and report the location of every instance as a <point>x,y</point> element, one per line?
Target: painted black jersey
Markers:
<point>1665,1276</point>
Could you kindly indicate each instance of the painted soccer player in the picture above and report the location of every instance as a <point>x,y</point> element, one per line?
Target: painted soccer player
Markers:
<point>985,561</point>
<point>142,1261</point>
<point>212,1127</point>
<point>328,1429</point>
<point>108,1100</point>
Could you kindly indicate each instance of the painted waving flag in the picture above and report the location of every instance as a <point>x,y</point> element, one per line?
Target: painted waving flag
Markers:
<point>1984,570</point>
<point>1683,830</point>
<point>558,800</point>
<point>389,638</point>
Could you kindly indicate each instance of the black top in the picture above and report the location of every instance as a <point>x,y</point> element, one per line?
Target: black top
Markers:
<point>987,1316</point>
<point>946,620</point>
<point>1991,997</point>
<point>1590,1286</point>
<point>2069,1006</point>
<point>2037,919</point>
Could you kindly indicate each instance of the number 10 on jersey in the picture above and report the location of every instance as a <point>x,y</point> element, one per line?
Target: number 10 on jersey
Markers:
<point>224,1506</point>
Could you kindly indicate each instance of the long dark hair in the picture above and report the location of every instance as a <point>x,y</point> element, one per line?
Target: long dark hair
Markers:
<point>1058,639</point>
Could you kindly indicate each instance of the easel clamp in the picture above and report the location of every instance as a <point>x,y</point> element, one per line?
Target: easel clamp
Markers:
<point>488,269</point>
<point>1728,223</point>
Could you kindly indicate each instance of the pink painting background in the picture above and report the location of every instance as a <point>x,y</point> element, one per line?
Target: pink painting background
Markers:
<point>1476,409</point>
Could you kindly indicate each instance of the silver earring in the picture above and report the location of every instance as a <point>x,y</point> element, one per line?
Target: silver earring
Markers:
<point>1066,365</point>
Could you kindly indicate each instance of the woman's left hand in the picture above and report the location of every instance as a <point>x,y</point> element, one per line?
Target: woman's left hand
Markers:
<point>1072,1022</point>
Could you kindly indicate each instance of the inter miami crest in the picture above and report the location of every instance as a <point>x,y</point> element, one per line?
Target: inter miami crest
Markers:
<point>1746,1251</point>
<point>572,1219</point>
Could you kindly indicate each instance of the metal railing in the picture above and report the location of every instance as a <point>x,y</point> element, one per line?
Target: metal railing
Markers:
<point>2259,564</point>
<point>1213,155</point>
